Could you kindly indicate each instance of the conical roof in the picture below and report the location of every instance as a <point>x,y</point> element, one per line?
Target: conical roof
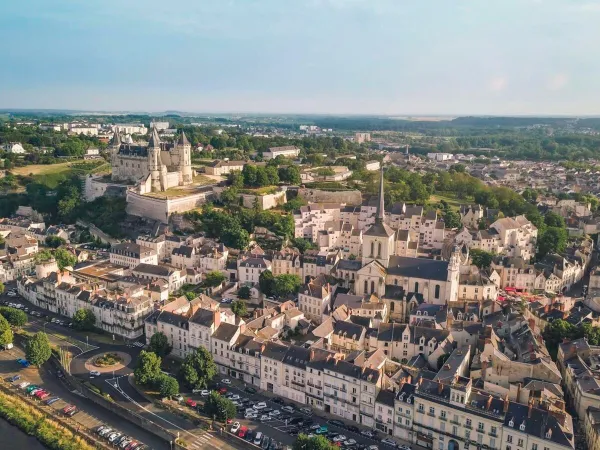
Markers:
<point>183,140</point>
<point>116,140</point>
<point>381,203</point>
<point>154,139</point>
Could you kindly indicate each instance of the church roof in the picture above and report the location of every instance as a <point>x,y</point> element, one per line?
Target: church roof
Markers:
<point>380,229</point>
<point>418,268</point>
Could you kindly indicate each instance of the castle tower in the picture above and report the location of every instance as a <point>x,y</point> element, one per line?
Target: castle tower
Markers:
<point>185,160</point>
<point>114,147</point>
<point>378,241</point>
<point>154,164</point>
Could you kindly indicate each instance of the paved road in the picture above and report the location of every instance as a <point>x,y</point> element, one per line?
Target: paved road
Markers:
<point>91,415</point>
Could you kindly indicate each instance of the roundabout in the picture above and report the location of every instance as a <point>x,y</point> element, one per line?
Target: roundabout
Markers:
<point>103,362</point>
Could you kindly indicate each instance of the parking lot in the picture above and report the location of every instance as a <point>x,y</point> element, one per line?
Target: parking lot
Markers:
<point>284,426</point>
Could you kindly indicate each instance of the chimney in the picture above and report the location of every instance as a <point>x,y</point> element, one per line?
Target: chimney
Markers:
<point>560,404</point>
<point>312,355</point>
<point>489,402</point>
<point>531,323</point>
<point>217,318</point>
<point>547,309</point>
<point>493,306</point>
<point>419,382</point>
<point>518,392</point>
<point>440,387</point>
<point>506,403</point>
<point>409,379</point>
<point>529,410</point>
<point>262,348</point>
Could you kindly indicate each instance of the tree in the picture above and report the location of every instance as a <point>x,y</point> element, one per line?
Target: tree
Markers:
<point>14,316</point>
<point>554,220</point>
<point>38,349</point>
<point>84,320</point>
<point>219,407</point>
<point>238,307</point>
<point>159,344</point>
<point>6,334</point>
<point>167,386</point>
<point>481,258</point>
<point>214,278</point>
<point>64,258</point>
<point>302,244</point>
<point>198,369</point>
<point>289,174</point>
<point>244,293</point>
<point>2,288</point>
<point>266,281</point>
<point>55,241</point>
<point>452,219</point>
<point>303,442</point>
<point>147,369</point>
<point>286,284</point>
<point>552,240</point>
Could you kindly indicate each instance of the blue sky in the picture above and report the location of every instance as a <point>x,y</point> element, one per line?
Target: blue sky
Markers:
<point>303,56</point>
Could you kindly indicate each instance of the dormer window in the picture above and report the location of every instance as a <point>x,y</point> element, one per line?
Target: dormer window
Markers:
<point>522,426</point>
<point>511,423</point>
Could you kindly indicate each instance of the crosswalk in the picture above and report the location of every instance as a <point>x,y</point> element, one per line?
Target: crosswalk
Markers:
<point>138,344</point>
<point>201,441</point>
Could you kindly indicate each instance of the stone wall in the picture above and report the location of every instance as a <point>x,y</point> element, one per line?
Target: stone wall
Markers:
<point>161,208</point>
<point>320,196</point>
<point>95,188</point>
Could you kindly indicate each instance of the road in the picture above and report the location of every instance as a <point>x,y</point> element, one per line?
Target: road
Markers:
<point>84,348</point>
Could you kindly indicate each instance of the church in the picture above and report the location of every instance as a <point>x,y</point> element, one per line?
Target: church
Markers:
<point>403,282</point>
<point>153,167</point>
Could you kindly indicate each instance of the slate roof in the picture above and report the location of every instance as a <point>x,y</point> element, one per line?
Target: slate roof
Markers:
<point>418,268</point>
<point>225,332</point>
<point>275,351</point>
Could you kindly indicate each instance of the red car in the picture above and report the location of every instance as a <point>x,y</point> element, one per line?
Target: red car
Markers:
<point>242,432</point>
<point>222,391</point>
<point>191,403</point>
<point>42,395</point>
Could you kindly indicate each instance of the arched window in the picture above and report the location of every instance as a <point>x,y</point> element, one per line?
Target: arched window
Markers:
<point>437,291</point>
<point>395,281</point>
<point>372,248</point>
<point>372,287</point>
<point>416,286</point>
<point>379,250</point>
<point>366,286</point>
<point>392,303</point>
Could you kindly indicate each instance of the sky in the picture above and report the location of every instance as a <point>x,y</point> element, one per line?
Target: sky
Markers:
<point>387,57</point>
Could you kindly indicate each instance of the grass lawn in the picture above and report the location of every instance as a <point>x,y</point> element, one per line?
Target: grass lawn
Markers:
<point>45,169</point>
<point>450,199</point>
<point>259,191</point>
<point>53,174</point>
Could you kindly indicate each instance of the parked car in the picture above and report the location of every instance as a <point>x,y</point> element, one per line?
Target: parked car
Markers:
<point>339,438</point>
<point>32,387</point>
<point>226,381</point>
<point>177,397</point>
<point>373,447</point>
<point>322,430</point>
<point>265,418</point>
<point>250,390</point>
<point>191,403</point>
<point>275,413</point>
<point>349,443</point>
<point>113,437</point>
<point>388,441</point>
<point>234,397</point>
<point>94,373</point>
<point>337,423</point>
<point>295,420</point>
<point>260,405</point>
<point>353,428</point>
<point>222,391</point>
<point>278,401</point>
<point>235,427</point>
<point>404,447</point>
<point>368,433</point>
<point>72,412</point>
<point>306,411</point>
<point>242,431</point>
<point>204,393</point>
<point>52,400</point>
<point>290,409</point>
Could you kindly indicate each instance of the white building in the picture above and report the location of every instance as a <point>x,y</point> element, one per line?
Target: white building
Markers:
<point>132,255</point>
<point>289,151</point>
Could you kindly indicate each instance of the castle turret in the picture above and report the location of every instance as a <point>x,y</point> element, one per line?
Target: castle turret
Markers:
<point>453,275</point>
<point>154,160</point>
<point>185,164</point>
<point>114,147</point>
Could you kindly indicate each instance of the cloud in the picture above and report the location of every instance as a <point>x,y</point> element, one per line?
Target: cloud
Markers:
<point>498,83</point>
<point>557,81</point>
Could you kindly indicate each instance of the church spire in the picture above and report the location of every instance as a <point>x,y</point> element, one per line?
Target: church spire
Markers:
<point>183,140</point>
<point>381,204</point>
<point>116,140</point>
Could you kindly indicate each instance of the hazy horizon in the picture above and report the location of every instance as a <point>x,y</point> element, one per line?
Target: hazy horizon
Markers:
<point>331,57</point>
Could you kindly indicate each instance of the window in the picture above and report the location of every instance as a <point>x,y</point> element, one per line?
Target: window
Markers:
<point>372,287</point>
<point>437,291</point>
<point>480,426</point>
<point>416,286</point>
<point>443,413</point>
<point>432,410</point>
<point>509,439</point>
<point>520,442</point>
<point>468,424</point>
<point>534,447</point>
<point>379,250</point>
<point>372,248</point>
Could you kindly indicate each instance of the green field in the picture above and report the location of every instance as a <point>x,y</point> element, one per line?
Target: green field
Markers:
<point>452,201</point>
<point>53,174</point>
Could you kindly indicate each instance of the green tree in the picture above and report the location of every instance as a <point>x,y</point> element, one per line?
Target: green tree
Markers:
<point>54,241</point>
<point>452,219</point>
<point>42,255</point>
<point>219,407</point>
<point>198,369</point>
<point>554,220</point>
<point>167,386</point>
<point>552,240</point>
<point>481,258</point>
<point>159,344</point>
<point>147,369</point>
<point>266,281</point>
<point>214,278</point>
<point>303,442</point>
<point>286,284</point>
<point>84,320</point>
<point>64,258</point>
<point>238,307</point>
<point>2,288</point>
<point>290,174</point>
<point>38,349</point>
<point>14,316</point>
<point>302,244</point>
<point>6,334</point>
<point>244,292</point>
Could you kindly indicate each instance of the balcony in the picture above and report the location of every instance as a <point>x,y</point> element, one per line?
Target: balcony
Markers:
<point>468,427</point>
<point>298,383</point>
<point>455,422</point>
<point>444,418</point>
<point>431,414</point>
<point>493,434</point>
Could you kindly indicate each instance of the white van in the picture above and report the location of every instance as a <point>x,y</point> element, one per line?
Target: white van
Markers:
<point>258,438</point>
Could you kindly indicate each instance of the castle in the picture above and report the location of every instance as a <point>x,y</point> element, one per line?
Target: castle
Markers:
<point>154,167</point>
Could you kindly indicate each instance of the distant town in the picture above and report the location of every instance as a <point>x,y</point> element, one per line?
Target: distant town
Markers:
<point>379,283</point>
